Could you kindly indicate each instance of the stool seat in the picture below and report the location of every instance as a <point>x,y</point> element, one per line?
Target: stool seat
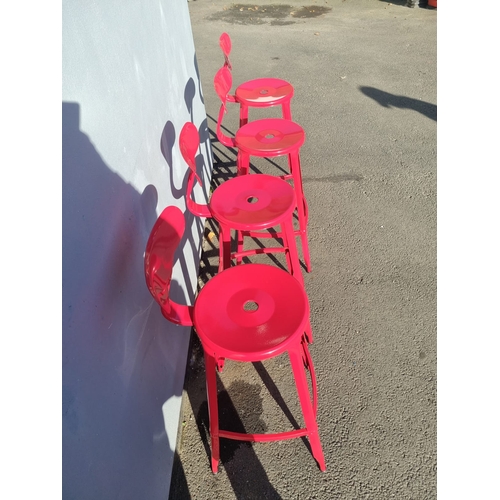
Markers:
<point>264,92</point>
<point>259,310</point>
<point>270,137</point>
<point>252,202</point>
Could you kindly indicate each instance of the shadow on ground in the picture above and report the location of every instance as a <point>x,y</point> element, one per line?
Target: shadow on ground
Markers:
<point>388,100</point>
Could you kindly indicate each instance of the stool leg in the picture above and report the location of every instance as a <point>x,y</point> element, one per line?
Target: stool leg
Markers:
<point>309,366</point>
<point>309,333</point>
<point>301,206</point>
<point>307,407</point>
<point>239,239</point>
<point>242,163</point>
<point>213,410</point>
<point>287,112</point>
<point>243,115</point>
<point>285,244</point>
<point>220,364</point>
<point>224,247</point>
<point>293,258</point>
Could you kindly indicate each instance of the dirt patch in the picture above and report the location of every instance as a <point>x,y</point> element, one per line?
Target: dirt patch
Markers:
<point>275,15</point>
<point>310,11</point>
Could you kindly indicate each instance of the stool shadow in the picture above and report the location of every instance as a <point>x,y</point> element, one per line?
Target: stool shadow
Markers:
<point>209,263</point>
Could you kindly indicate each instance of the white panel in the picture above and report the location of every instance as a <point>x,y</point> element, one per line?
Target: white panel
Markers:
<point>129,85</point>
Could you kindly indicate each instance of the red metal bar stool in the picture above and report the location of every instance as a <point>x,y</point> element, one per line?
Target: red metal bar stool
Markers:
<point>246,313</point>
<point>258,93</point>
<point>268,138</point>
<point>248,205</point>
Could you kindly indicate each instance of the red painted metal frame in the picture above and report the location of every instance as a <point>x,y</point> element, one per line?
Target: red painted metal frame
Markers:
<point>228,330</point>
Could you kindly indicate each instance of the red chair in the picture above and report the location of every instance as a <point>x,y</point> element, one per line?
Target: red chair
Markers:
<point>258,93</point>
<point>247,204</point>
<point>246,313</point>
<point>267,138</point>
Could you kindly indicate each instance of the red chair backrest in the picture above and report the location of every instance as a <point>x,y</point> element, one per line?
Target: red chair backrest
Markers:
<point>159,257</point>
<point>223,82</point>
<point>225,45</point>
<point>189,142</point>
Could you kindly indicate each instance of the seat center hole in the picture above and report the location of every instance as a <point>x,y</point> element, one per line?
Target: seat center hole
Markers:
<point>250,306</point>
<point>252,199</point>
<point>269,136</point>
<point>264,91</point>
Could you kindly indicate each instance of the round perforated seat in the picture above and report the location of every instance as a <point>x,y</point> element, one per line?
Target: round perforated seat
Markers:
<point>251,312</point>
<point>264,92</point>
<point>270,136</point>
<point>252,202</point>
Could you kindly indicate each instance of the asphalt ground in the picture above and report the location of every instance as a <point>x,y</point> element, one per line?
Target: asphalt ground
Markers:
<point>364,73</point>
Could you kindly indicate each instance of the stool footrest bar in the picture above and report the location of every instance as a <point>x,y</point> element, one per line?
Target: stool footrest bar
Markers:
<point>261,234</point>
<point>256,251</point>
<point>257,438</point>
